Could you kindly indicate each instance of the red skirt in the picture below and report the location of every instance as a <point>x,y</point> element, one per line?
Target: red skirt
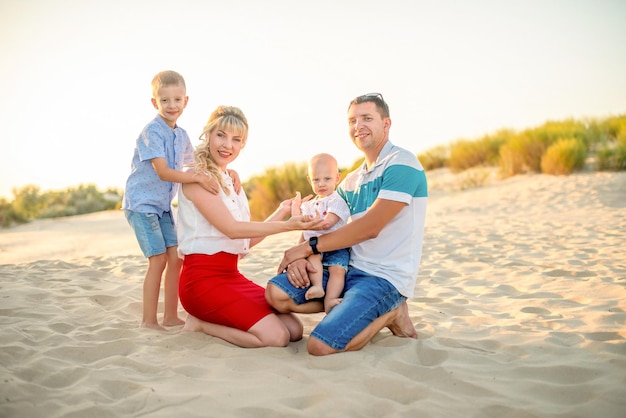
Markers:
<point>212,289</point>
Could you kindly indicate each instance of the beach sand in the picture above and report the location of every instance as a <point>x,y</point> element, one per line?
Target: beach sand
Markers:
<point>520,308</point>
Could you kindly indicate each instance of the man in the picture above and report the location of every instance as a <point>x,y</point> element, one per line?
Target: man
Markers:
<point>387,199</point>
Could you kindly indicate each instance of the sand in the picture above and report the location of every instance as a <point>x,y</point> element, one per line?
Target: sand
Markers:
<point>520,309</point>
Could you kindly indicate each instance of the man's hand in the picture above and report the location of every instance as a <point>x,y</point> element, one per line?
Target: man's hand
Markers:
<point>297,273</point>
<point>297,252</point>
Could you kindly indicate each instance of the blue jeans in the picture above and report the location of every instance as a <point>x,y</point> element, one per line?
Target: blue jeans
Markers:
<point>365,298</point>
<point>155,234</point>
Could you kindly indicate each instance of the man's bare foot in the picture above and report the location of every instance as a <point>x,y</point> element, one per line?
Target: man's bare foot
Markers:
<point>192,324</point>
<point>314,292</point>
<point>331,303</point>
<point>152,325</point>
<point>173,323</point>
<point>401,324</point>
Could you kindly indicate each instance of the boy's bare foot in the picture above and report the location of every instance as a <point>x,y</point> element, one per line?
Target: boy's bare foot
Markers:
<point>152,325</point>
<point>173,323</point>
<point>314,292</point>
<point>401,324</point>
<point>331,303</point>
<point>192,324</point>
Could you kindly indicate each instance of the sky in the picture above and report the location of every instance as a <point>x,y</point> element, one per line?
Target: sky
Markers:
<point>76,75</point>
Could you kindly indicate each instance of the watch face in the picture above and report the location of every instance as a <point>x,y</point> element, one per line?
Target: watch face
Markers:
<point>313,244</point>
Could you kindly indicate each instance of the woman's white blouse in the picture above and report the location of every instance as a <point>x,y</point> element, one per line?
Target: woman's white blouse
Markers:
<point>197,236</point>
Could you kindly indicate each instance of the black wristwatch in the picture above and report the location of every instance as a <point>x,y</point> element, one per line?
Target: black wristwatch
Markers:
<point>313,244</point>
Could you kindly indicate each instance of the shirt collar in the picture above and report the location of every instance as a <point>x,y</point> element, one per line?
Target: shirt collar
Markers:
<point>164,124</point>
<point>384,152</point>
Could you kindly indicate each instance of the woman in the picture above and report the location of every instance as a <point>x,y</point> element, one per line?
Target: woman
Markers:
<point>214,231</point>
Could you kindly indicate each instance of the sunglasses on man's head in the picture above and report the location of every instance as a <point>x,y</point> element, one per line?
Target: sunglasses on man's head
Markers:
<point>375,97</point>
<point>372,95</point>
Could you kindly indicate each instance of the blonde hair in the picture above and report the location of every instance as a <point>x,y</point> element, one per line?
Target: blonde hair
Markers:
<point>167,78</point>
<point>225,118</point>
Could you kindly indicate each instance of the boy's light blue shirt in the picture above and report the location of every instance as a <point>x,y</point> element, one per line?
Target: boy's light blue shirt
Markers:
<point>145,191</point>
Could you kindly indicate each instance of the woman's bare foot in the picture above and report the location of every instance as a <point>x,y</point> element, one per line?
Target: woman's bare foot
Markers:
<point>401,324</point>
<point>192,324</point>
<point>314,292</point>
<point>152,325</point>
<point>331,303</point>
<point>173,323</point>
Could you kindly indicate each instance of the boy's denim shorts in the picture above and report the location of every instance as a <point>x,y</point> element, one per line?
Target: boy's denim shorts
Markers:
<point>336,258</point>
<point>365,298</point>
<point>155,234</point>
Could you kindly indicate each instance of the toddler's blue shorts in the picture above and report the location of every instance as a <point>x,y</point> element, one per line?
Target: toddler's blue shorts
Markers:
<point>336,258</point>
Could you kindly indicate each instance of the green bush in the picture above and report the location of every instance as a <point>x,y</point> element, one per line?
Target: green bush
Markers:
<point>465,154</point>
<point>58,211</point>
<point>265,192</point>
<point>27,201</point>
<point>597,134</point>
<point>77,201</point>
<point>511,162</point>
<point>30,203</point>
<point>564,156</point>
<point>522,153</point>
<point>434,158</point>
<point>8,215</point>
<point>612,156</point>
<point>615,127</point>
<point>569,128</point>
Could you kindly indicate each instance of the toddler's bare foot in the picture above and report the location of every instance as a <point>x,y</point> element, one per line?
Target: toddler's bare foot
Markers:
<point>314,292</point>
<point>152,325</point>
<point>192,324</point>
<point>173,323</point>
<point>401,324</point>
<point>331,303</point>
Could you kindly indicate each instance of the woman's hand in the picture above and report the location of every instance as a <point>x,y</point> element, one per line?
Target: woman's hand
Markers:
<point>308,222</point>
<point>285,206</point>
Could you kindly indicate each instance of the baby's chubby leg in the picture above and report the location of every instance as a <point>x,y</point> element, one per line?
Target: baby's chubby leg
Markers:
<point>317,289</point>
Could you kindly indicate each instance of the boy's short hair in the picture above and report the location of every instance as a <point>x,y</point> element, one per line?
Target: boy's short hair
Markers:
<point>167,78</point>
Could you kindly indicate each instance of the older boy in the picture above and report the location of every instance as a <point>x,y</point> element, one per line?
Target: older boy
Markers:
<point>161,150</point>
